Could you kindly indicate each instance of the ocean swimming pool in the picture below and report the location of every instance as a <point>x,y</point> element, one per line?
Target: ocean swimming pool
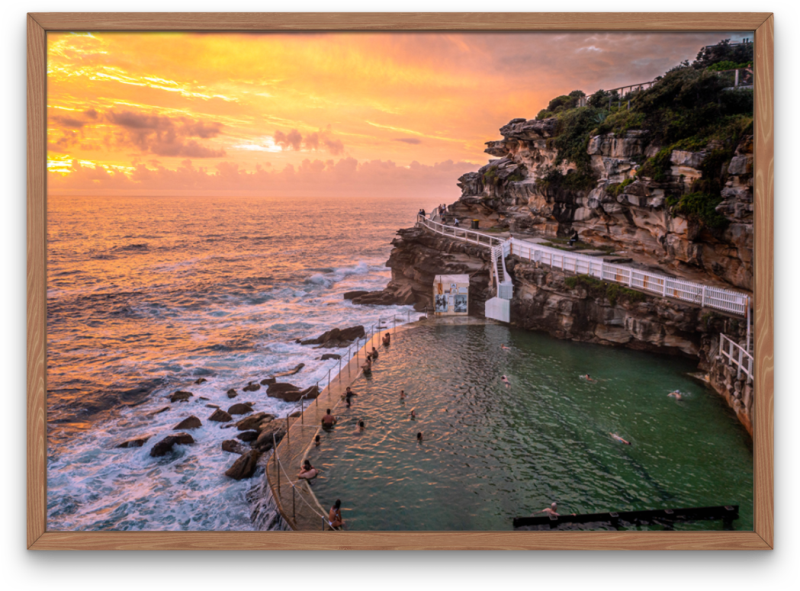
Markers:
<point>491,453</point>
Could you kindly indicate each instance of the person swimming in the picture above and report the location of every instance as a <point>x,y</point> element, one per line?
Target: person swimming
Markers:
<point>551,510</point>
<point>360,428</point>
<point>504,347</point>
<point>402,395</point>
<point>328,420</point>
<point>504,379</point>
<point>317,441</point>
<point>676,395</point>
<point>419,437</point>
<point>413,414</point>
<point>588,378</point>
<point>618,438</point>
<point>307,472</point>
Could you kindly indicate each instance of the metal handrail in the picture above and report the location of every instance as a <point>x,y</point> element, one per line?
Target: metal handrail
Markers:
<point>737,356</point>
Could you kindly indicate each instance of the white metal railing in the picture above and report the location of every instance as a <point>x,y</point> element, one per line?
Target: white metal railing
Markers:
<point>733,302</point>
<point>461,233</point>
<point>737,356</point>
<point>712,297</point>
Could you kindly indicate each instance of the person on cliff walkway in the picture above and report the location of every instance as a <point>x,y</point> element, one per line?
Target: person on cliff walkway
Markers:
<point>335,515</point>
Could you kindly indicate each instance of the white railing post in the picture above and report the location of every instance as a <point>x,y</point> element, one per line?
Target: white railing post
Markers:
<point>739,364</point>
<point>703,298</point>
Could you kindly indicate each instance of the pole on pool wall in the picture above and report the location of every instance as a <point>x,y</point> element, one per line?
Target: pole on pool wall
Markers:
<point>316,400</point>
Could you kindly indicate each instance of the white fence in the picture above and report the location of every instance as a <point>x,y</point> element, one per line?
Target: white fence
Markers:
<point>726,300</point>
<point>737,356</point>
<point>687,291</point>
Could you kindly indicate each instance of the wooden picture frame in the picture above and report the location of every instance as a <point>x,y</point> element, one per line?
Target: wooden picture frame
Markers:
<point>39,538</point>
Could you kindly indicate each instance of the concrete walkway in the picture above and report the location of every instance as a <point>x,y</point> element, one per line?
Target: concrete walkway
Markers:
<point>295,499</point>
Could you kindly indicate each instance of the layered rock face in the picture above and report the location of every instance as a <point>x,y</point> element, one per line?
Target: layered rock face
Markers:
<point>625,211</point>
<point>419,255</point>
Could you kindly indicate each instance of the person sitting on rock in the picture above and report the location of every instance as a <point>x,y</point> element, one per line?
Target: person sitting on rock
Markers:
<point>573,239</point>
<point>456,223</point>
<point>307,472</point>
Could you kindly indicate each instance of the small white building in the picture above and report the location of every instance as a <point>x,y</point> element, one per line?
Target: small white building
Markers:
<point>451,295</point>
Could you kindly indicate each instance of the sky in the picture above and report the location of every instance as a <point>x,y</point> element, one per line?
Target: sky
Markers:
<point>314,113</point>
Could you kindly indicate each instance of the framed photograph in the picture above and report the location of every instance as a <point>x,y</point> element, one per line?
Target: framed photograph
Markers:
<point>294,283</point>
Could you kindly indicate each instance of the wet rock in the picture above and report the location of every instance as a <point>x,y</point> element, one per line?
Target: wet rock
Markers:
<point>212,406</point>
<point>203,398</point>
<point>180,396</point>
<point>275,389</point>
<point>220,416</point>
<point>253,421</point>
<point>164,446</point>
<point>200,381</point>
<point>232,393</point>
<point>337,337</point>
<point>247,436</point>
<point>138,442</point>
<point>271,434</point>
<point>233,447</point>
<point>245,466</point>
<point>268,381</point>
<point>191,422</point>
<point>240,409</point>
<point>349,295</point>
<point>293,395</point>
<point>330,356</point>
<point>252,387</point>
<point>291,372</point>
<point>159,411</point>
<point>296,414</point>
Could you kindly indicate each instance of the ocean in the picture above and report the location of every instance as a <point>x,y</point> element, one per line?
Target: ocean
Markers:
<point>147,294</point>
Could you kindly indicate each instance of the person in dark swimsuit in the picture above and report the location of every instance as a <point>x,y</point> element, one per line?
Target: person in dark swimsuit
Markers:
<point>335,515</point>
<point>348,396</point>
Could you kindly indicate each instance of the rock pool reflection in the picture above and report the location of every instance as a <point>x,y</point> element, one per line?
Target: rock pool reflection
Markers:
<point>492,452</point>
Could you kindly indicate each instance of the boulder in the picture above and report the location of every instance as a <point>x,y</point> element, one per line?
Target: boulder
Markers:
<point>252,387</point>
<point>337,337</point>
<point>268,381</point>
<point>349,295</point>
<point>240,409</point>
<point>180,396</point>
<point>138,442</point>
<point>253,421</point>
<point>291,372</point>
<point>164,446</point>
<point>212,406</point>
<point>245,466</point>
<point>247,436</point>
<point>220,416</point>
<point>289,395</point>
<point>159,411</point>
<point>265,440</point>
<point>233,447</point>
<point>231,393</point>
<point>296,414</point>
<point>191,422</point>
<point>330,356</point>
<point>200,381</point>
<point>276,389</point>
<point>203,398</point>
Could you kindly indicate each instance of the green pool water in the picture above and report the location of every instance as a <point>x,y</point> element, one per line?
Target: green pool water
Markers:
<point>491,453</point>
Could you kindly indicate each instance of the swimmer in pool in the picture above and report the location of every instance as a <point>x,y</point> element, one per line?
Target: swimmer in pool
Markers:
<point>307,472</point>
<point>551,510</point>
<point>348,396</point>
<point>419,437</point>
<point>504,348</point>
<point>618,438</point>
<point>374,354</point>
<point>402,395</point>
<point>328,420</point>
<point>317,441</point>
<point>335,515</point>
<point>413,414</point>
<point>676,395</point>
<point>367,367</point>
<point>506,382</point>
<point>588,378</point>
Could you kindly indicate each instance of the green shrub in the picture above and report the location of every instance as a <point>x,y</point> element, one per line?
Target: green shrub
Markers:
<point>617,188</point>
<point>610,291</point>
